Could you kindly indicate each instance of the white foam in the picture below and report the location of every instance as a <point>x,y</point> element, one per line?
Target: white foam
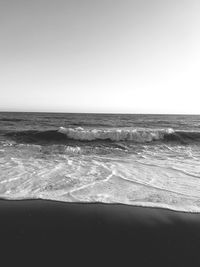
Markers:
<point>116,134</point>
<point>70,149</point>
<point>156,176</point>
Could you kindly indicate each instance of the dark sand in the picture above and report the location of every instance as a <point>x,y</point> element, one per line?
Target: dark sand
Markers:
<point>42,232</point>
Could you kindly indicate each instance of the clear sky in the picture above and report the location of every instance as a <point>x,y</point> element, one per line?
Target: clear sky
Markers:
<point>125,56</point>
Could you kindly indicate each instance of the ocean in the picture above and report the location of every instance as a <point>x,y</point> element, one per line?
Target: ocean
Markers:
<point>141,160</point>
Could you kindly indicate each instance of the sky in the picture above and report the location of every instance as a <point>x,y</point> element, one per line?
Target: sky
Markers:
<point>109,56</point>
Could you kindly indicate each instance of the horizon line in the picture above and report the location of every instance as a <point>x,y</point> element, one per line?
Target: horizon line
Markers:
<point>103,113</point>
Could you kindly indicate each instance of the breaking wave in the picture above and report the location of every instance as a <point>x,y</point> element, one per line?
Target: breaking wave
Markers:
<point>79,134</point>
<point>131,134</point>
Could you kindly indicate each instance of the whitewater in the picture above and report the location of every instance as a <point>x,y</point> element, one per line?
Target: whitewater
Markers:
<point>144,160</point>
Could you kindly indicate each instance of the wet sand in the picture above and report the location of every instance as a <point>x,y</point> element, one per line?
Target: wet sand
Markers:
<point>69,234</point>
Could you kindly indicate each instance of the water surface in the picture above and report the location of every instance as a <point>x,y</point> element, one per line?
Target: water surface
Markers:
<point>145,160</point>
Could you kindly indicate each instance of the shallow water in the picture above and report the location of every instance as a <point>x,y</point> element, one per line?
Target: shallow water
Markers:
<point>145,160</point>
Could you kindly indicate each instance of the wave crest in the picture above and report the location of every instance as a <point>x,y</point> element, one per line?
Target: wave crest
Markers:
<point>136,135</point>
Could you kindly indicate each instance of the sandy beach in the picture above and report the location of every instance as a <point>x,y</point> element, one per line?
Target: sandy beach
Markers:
<point>46,232</point>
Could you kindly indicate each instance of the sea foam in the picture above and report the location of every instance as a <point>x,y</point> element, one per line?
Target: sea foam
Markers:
<point>131,134</point>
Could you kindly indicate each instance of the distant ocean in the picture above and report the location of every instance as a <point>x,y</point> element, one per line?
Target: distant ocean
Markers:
<point>143,160</point>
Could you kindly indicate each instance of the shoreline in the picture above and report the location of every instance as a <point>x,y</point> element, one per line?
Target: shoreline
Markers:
<point>166,208</point>
<point>98,234</point>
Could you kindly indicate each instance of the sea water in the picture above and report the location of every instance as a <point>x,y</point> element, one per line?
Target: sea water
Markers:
<point>144,160</point>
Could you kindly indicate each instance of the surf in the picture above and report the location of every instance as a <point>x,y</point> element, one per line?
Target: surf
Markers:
<point>104,135</point>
